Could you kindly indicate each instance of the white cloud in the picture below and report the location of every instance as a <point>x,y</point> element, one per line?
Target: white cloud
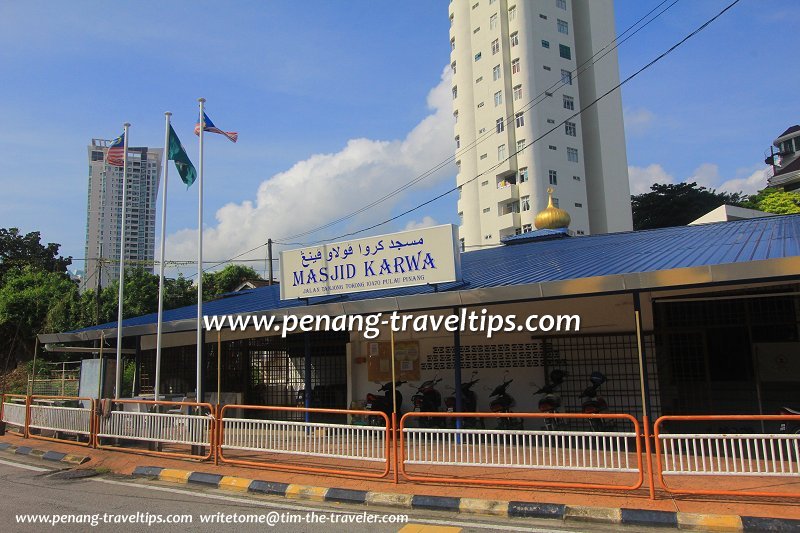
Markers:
<point>641,178</point>
<point>637,120</point>
<point>749,185</point>
<point>426,222</point>
<point>324,187</point>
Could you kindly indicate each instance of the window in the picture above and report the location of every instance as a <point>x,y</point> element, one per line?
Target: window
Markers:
<point>553,147</point>
<point>545,44</point>
<point>455,93</point>
<point>523,174</point>
<point>453,66</point>
<point>480,79</point>
<point>555,202</point>
<point>519,118</point>
<point>551,121</point>
<point>461,243</point>
<point>493,22</point>
<point>564,51</point>
<point>451,20</point>
<point>527,228</point>
<point>453,43</point>
<point>520,145</point>
<point>475,5</point>
<point>561,4</point>
<point>566,77</point>
<point>484,183</point>
<point>514,38</point>
<point>572,155</point>
<point>496,73</point>
<point>476,30</point>
<point>542,16</point>
<point>495,46</point>
<point>498,98</point>
<point>484,156</point>
<point>485,209</point>
<point>525,203</point>
<point>545,67</point>
<point>569,103</point>
<point>455,115</point>
<point>518,92</point>
<point>500,124</point>
<point>458,169</point>
<point>569,129</point>
<point>492,2</point>
<point>563,27</point>
<point>553,177</point>
<point>478,56</point>
<point>458,141</point>
<point>515,66</point>
<point>578,204</point>
<point>480,104</point>
<point>512,13</point>
<point>501,152</point>
<point>576,178</point>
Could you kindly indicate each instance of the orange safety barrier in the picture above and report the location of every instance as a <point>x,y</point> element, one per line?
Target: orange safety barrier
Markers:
<point>24,426</point>
<point>64,419</point>
<point>728,455</point>
<point>498,447</point>
<point>158,428</point>
<point>273,437</point>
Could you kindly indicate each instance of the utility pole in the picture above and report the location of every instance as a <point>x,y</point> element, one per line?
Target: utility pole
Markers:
<point>99,287</point>
<point>269,259</point>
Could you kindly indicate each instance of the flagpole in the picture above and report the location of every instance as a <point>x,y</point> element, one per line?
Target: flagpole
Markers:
<point>118,384</point>
<point>200,255</point>
<point>157,387</point>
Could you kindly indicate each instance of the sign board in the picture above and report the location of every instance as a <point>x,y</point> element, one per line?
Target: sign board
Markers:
<point>406,360</point>
<point>415,257</point>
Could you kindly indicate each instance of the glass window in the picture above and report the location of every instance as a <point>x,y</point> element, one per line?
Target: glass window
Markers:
<point>525,203</point>
<point>496,73</point>
<point>566,77</point>
<point>576,178</point>
<point>520,145</point>
<point>501,152</point>
<point>455,93</point>
<point>564,51</point>
<point>553,177</point>
<point>515,68</point>
<point>455,115</point>
<point>485,209</point>
<point>518,92</point>
<point>555,202</point>
<point>458,141</point>
<point>500,124</point>
<point>478,56</point>
<point>523,174</point>
<point>578,204</point>
<point>572,155</point>
<point>527,228</point>
<point>570,129</point>
<point>519,118</point>
<point>561,4</point>
<point>493,22</point>
<point>498,98</point>
<point>453,43</point>
<point>563,27</point>
<point>514,38</point>
<point>512,12</point>
<point>569,103</point>
<point>545,44</point>
<point>495,46</point>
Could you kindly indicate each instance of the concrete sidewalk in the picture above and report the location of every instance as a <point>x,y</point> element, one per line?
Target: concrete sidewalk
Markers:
<point>708,513</point>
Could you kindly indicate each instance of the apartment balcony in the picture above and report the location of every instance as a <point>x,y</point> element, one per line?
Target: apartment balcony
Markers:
<point>508,221</point>
<point>507,192</point>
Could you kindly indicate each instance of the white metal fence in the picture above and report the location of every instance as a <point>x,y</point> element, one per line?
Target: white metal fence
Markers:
<point>733,455</point>
<point>551,450</point>
<point>157,427</point>
<point>366,443</point>
<point>14,413</point>
<point>76,420</point>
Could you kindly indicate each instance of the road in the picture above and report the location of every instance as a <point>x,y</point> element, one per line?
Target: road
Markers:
<point>28,487</point>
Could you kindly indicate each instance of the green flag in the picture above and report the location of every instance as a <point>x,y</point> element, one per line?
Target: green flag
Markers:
<point>182,162</point>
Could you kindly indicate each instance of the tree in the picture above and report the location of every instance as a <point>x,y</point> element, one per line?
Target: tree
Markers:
<point>777,201</point>
<point>18,251</point>
<point>677,205</point>
<point>226,280</point>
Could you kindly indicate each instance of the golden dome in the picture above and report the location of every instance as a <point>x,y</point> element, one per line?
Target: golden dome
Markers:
<point>551,217</point>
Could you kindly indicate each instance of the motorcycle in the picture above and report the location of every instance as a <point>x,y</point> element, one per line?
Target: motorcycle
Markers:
<point>383,404</point>
<point>428,400</point>
<point>595,404</point>
<point>551,401</point>
<point>789,426</point>
<point>503,403</point>
<point>469,404</point>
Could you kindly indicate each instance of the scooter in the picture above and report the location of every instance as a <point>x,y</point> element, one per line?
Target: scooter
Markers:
<point>595,404</point>
<point>551,401</point>
<point>383,404</point>
<point>791,427</point>
<point>428,400</point>
<point>503,403</point>
<point>469,404</point>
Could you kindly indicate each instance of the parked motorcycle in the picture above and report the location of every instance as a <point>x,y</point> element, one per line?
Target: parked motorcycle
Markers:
<point>789,426</point>
<point>503,402</point>
<point>469,404</point>
<point>551,401</point>
<point>383,404</point>
<point>428,400</point>
<point>595,404</point>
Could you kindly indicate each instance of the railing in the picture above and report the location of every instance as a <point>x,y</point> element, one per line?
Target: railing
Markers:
<point>605,450</point>
<point>289,445</point>
<point>15,413</point>
<point>144,423</point>
<point>46,416</point>
<point>682,456</point>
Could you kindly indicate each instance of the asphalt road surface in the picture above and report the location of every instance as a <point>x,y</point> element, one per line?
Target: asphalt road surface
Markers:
<point>30,490</point>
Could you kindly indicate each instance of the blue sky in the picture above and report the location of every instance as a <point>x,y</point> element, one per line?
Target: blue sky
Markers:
<point>339,102</point>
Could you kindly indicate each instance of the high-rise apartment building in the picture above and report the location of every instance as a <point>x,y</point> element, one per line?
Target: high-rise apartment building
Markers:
<point>520,69</point>
<point>104,212</point>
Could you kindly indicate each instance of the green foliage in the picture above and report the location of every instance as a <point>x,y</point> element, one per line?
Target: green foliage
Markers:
<point>18,251</point>
<point>128,376</point>
<point>226,280</point>
<point>777,201</point>
<point>677,205</point>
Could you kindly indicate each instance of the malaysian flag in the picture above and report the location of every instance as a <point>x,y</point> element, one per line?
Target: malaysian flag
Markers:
<point>116,152</point>
<point>209,126</point>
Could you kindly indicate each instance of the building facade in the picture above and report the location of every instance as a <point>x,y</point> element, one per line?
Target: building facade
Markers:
<point>784,160</point>
<point>521,69</point>
<point>104,212</point>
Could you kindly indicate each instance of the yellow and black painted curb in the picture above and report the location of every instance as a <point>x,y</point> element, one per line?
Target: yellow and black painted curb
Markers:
<point>47,455</point>
<point>511,509</point>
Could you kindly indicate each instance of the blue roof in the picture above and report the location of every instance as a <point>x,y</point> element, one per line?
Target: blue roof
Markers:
<point>554,260</point>
<point>538,235</point>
